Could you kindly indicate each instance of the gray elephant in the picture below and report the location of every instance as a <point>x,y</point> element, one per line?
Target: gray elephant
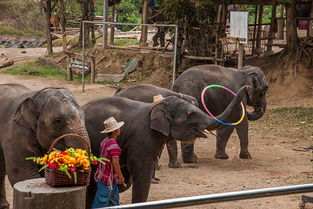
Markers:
<point>145,93</point>
<point>147,125</point>
<point>195,79</point>
<point>30,121</point>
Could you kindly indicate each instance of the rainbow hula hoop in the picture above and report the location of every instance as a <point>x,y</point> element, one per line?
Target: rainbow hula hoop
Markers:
<point>205,107</point>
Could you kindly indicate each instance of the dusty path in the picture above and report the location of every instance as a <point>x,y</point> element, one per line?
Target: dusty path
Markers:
<point>274,163</point>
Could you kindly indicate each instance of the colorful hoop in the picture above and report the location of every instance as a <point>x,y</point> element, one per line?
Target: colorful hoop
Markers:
<point>205,107</point>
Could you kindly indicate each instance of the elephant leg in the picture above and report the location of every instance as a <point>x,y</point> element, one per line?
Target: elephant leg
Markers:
<point>141,178</point>
<point>222,137</point>
<point>188,154</point>
<point>4,204</point>
<point>172,154</point>
<point>242,131</point>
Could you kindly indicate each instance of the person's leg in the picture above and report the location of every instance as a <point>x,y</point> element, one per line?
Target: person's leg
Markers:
<point>102,196</point>
<point>114,196</point>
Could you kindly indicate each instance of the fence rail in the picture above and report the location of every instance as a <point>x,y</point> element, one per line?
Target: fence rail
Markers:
<point>221,197</point>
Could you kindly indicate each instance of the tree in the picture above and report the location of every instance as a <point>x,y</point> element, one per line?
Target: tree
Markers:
<point>47,9</point>
<point>291,26</point>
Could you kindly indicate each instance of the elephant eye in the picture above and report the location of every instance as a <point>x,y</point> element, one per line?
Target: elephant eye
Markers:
<point>58,121</point>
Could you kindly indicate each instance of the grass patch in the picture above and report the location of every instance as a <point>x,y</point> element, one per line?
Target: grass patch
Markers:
<point>126,42</point>
<point>36,69</point>
<point>295,121</point>
<point>45,71</point>
<point>7,30</point>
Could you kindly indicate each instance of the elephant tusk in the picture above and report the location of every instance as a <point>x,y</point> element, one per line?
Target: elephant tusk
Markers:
<point>206,132</point>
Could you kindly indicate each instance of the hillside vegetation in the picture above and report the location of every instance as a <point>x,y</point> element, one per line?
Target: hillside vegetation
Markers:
<point>21,18</point>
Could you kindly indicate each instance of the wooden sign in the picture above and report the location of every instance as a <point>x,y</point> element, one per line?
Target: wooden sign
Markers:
<point>239,26</point>
<point>78,63</point>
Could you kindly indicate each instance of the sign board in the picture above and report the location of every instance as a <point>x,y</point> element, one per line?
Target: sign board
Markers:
<point>78,63</point>
<point>239,26</point>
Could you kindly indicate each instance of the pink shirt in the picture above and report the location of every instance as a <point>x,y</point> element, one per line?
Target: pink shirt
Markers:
<point>105,173</point>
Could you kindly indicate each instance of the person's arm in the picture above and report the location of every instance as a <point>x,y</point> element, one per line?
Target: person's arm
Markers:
<point>117,170</point>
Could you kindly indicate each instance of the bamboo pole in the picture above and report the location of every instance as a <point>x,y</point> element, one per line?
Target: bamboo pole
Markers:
<point>112,26</point>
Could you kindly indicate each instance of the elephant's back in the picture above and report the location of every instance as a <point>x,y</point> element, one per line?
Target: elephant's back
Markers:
<point>122,109</point>
<point>13,90</point>
<point>9,96</point>
<point>144,92</point>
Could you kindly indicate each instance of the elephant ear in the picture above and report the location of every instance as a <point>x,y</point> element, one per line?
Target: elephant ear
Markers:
<point>25,114</point>
<point>251,73</point>
<point>160,119</point>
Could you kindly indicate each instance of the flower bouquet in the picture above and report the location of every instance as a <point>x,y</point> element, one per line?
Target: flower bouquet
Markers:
<point>69,167</point>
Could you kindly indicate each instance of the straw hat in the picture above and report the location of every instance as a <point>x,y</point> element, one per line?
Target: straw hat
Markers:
<point>111,124</point>
<point>157,98</point>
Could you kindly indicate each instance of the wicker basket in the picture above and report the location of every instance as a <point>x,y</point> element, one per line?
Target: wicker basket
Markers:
<point>57,178</point>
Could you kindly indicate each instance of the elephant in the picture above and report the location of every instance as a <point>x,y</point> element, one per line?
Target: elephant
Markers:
<point>146,127</point>
<point>30,122</point>
<point>195,79</point>
<point>145,93</point>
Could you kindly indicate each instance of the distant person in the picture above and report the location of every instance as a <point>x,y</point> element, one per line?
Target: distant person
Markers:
<point>108,176</point>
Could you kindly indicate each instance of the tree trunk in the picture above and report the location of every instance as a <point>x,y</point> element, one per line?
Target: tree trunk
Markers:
<point>112,26</point>
<point>280,23</point>
<point>291,27</point>
<point>85,5</point>
<point>310,34</point>
<point>92,26</point>
<point>272,28</point>
<point>105,19</point>
<point>258,41</point>
<point>144,30</point>
<point>62,24</point>
<point>48,26</point>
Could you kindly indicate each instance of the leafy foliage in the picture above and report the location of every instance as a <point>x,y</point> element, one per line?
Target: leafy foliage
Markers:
<point>196,24</point>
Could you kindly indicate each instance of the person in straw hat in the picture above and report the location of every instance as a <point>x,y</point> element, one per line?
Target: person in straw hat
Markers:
<point>108,176</point>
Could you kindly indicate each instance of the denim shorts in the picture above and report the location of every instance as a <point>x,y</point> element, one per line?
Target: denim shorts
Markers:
<point>106,196</point>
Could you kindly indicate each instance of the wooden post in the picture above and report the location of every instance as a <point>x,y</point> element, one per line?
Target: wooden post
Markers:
<point>105,27</point>
<point>69,76</point>
<point>240,56</point>
<point>280,23</point>
<point>93,69</point>
<point>112,26</point>
<point>258,41</point>
<point>310,33</point>
<point>144,29</point>
<point>272,29</point>
<point>254,29</point>
<point>36,194</point>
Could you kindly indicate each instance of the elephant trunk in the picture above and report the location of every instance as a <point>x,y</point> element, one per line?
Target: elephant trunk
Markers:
<point>230,108</point>
<point>257,113</point>
<point>75,141</point>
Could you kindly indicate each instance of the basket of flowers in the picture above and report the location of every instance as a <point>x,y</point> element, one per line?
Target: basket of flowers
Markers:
<point>68,167</point>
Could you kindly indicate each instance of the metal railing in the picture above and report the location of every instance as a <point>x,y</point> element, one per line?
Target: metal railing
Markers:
<point>221,197</point>
<point>135,24</point>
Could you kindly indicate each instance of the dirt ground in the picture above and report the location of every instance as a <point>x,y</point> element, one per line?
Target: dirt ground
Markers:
<point>273,162</point>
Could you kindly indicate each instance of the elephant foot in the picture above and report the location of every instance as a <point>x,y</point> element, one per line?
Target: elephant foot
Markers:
<point>174,164</point>
<point>222,156</point>
<point>4,205</point>
<point>190,159</point>
<point>245,155</point>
